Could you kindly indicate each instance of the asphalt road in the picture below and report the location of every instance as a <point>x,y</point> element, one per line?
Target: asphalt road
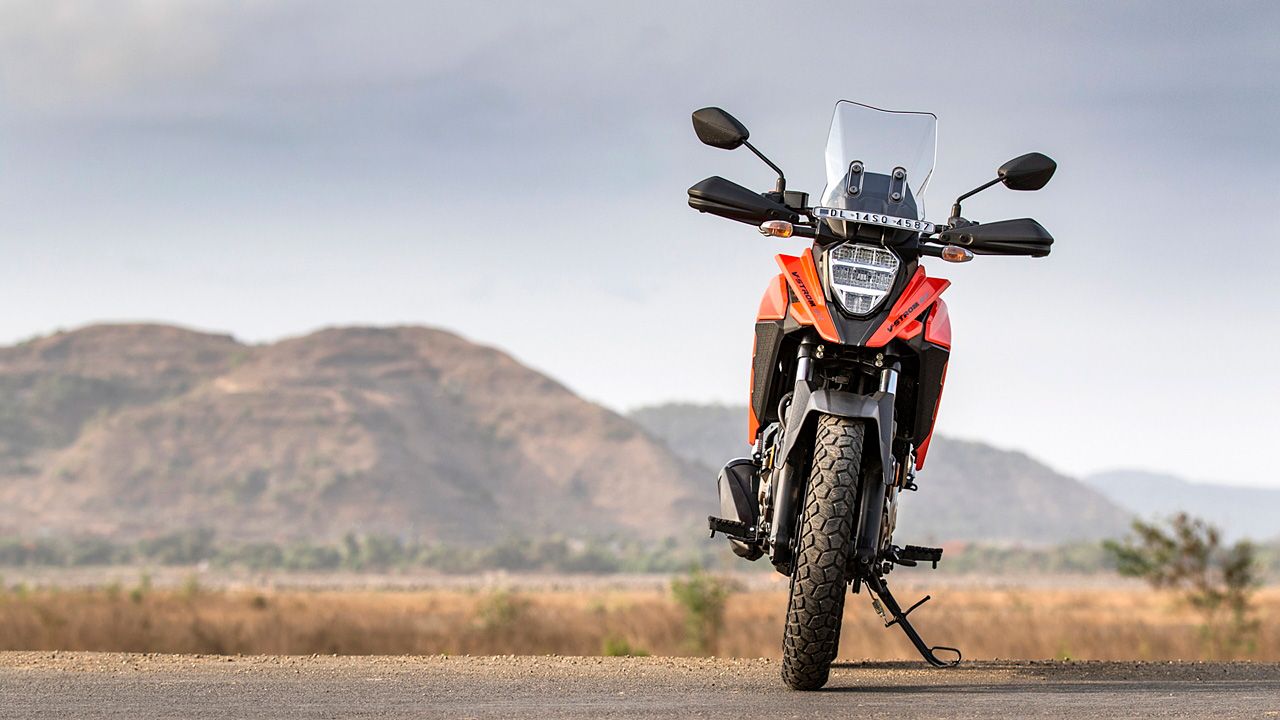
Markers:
<point>93,685</point>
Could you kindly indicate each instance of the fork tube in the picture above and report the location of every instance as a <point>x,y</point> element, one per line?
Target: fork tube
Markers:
<point>871,510</point>
<point>785,493</point>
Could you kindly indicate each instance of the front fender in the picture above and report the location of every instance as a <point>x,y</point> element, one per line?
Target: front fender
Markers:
<point>876,409</point>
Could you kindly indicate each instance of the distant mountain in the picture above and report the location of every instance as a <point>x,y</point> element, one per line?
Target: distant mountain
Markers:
<point>973,491</point>
<point>132,430</point>
<point>968,490</point>
<point>1239,511</point>
<point>706,434</point>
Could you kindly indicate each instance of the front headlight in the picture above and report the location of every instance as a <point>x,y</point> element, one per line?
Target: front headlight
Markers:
<point>861,276</point>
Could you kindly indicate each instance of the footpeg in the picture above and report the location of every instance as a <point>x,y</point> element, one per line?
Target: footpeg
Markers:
<point>911,555</point>
<point>732,528</point>
<point>916,553</point>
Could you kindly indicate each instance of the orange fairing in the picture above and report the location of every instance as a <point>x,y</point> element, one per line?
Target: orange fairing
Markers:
<point>810,307</point>
<point>773,306</point>
<point>937,329</point>
<point>920,293</point>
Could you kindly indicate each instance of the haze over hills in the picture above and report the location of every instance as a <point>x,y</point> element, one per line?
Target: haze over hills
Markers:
<point>968,490</point>
<point>131,430</point>
<point>1239,511</point>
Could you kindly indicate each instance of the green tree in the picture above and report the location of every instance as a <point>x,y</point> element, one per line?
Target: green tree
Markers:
<point>1187,555</point>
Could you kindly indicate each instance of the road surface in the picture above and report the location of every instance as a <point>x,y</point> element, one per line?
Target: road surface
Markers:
<point>93,685</point>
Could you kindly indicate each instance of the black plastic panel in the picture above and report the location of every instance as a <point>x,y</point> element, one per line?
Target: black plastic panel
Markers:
<point>763,366</point>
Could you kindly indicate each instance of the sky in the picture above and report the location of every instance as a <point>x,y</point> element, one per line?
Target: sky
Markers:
<point>516,172</point>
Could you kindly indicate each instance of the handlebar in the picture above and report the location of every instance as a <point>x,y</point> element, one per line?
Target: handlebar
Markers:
<point>1023,236</point>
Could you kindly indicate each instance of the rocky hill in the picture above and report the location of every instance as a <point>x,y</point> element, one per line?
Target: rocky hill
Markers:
<point>129,431</point>
<point>968,490</point>
<point>134,430</point>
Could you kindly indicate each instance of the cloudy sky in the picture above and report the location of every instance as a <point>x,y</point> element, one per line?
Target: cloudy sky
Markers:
<point>516,172</point>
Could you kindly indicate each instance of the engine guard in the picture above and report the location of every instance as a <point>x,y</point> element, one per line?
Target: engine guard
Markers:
<point>738,488</point>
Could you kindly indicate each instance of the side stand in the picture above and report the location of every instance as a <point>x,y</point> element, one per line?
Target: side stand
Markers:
<point>877,585</point>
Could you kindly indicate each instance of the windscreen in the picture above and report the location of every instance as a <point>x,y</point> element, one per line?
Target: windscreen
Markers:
<point>878,161</point>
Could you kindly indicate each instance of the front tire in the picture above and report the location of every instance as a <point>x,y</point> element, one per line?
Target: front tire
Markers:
<point>816,608</point>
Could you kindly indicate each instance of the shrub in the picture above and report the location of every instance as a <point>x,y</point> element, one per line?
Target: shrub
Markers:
<point>190,587</point>
<point>702,597</point>
<point>615,646</point>
<point>137,594</point>
<point>500,610</point>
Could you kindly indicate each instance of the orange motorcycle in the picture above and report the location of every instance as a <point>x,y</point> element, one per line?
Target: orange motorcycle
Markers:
<point>852,340</point>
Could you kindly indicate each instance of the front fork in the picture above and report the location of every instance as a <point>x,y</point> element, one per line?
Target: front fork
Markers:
<point>789,486</point>
<point>786,492</point>
<point>876,485</point>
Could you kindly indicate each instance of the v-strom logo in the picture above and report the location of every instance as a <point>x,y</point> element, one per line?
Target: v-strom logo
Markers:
<point>903,317</point>
<point>804,289</point>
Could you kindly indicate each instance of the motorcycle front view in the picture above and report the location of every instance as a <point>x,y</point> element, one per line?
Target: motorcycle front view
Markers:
<point>852,340</point>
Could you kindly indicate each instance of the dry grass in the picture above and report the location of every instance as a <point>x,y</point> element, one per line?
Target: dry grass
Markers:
<point>1008,623</point>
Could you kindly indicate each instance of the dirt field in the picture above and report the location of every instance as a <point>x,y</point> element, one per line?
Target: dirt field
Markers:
<point>1030,623</point>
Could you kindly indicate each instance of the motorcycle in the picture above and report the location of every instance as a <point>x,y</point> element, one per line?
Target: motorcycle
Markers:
<point>852,340</point>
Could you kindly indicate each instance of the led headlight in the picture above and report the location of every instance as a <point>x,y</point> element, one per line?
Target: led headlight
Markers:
<point>861,276</point>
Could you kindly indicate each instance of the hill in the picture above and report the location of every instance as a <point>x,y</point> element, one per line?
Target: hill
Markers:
<point>134,430</point>
<point>969,491</point>
<point>706,434</point>
<point>1239,511</point>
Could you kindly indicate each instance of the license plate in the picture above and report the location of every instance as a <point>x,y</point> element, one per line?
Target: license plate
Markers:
<point>888,221</point>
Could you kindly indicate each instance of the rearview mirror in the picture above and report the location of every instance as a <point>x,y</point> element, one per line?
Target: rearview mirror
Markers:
<point>718,128</point>
<point>1026,172</point>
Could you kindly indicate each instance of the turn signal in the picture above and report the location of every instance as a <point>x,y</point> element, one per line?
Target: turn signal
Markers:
<point>953,253</point>
<point>776,228</point>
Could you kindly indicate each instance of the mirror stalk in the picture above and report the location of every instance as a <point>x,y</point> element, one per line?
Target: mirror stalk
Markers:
<point>781,185</point>
<point>955,209</point>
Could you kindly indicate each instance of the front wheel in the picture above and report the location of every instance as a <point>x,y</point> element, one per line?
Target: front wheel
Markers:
<point>816,607</point>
